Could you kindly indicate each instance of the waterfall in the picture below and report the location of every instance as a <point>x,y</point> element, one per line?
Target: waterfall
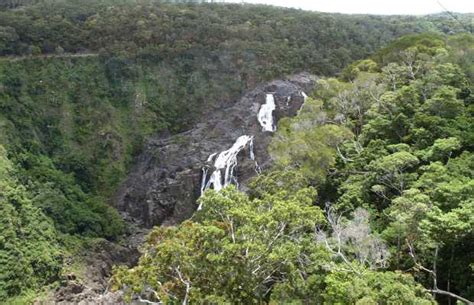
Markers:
<point>265,115</point>
<point>224,165</point>
<point>258,170</point>
<point>211,157</point>
<point>226,161</point>
<point>203,181</point>
<point>305,97</point>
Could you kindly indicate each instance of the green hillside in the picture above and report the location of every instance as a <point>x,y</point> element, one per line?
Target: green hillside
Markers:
<point>369,199</point>
<point>84,83</point>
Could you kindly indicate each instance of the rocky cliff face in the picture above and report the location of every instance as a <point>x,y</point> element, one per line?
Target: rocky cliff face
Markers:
<point>170,174</point>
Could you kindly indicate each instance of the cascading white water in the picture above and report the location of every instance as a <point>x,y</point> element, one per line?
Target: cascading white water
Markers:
<point>226,162</point>
<point>258,170</point>
<point>265,115</point>
<point>305,97</point>
<point>203,181</point>
<point>211,157</point>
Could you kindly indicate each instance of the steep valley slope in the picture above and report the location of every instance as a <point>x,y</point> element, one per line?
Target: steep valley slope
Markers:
<point>169,176</point>
<point>117,110</point>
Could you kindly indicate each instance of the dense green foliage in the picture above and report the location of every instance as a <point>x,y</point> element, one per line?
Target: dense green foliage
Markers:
<point>257,250</point>
<point>29,249</point>
<point>410,160</point>
<point>273,40</point>
<point>46,128</point>
<point>390,153</point>
<point>83,83</point>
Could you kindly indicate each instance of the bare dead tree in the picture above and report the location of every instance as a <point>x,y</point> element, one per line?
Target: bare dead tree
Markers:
<point>353,239</point>
<point>413,66</point>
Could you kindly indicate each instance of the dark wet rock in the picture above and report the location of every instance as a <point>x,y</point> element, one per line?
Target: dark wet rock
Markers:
<point>165,182</point>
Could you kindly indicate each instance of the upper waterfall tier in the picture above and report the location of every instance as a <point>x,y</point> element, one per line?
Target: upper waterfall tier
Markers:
<point>265,115</point>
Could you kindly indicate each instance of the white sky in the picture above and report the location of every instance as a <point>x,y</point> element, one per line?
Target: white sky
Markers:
<point>386,7</point>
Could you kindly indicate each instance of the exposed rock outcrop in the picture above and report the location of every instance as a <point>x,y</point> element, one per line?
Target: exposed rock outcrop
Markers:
<point>166,181</point>
<point>167,178</point>
<point>92,285</point>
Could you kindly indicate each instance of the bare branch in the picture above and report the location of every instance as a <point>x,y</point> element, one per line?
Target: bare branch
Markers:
<point>417,264</point>
<point>186,283</point>
<point>450,294</point>
<point>455,18</point>
<point>344,159</point>
<point>435,289</point>
<point>148,301</point>
<point>231,228</point>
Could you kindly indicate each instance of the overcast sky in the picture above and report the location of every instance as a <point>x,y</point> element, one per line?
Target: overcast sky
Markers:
<point>411,7</point>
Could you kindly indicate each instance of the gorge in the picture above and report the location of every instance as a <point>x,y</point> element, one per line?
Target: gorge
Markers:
<point>157,152</point>
<point>228,147</point>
